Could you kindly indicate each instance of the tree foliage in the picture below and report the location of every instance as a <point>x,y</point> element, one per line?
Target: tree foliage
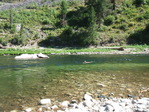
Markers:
<point>11,18</point>
<point>99,7</point>
<point>139,2</point>
<point>92,35</point>
<point>63,13</point>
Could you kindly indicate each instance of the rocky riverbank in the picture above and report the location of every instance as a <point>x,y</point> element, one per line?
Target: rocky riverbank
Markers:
<point>90,104</point>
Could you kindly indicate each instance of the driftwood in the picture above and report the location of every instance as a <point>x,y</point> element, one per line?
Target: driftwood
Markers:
<point>119,49</point>
<point>115,48</point>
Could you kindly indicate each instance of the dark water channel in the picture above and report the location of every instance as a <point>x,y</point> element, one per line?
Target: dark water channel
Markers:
<point>24,82</point>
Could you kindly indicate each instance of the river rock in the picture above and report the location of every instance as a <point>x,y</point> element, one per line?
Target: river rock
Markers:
<point>60,111</point>
<point>64,104</point>
<point>14,111</point>
<point>42,55</point>
<point>54,107</point>
<point>142,101</point>
<point>109,108</point>
<point>74,101</point>
<point>45,102</point>
<point>30,56</point>
<point>101,85</point>
<point>28,110</point>
<point>18,27</point>
<point>87,97</point>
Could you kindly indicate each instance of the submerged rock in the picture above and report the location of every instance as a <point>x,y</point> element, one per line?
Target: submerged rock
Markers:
<point>30,56</point>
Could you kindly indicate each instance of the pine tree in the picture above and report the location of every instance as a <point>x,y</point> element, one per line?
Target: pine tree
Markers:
<point>92,34</point>
<point>11,18</point>
<point>63,13</point>
<point>99,7</point>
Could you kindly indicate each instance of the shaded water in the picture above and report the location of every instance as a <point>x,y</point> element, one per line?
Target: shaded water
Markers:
<point>24,82</point>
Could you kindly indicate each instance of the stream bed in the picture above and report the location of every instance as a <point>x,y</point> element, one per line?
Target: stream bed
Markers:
<point>68,77</point>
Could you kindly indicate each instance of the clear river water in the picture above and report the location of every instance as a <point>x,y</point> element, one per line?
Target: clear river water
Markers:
<point>67,77</point>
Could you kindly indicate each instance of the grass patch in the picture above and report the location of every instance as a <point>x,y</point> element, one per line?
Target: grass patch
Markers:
<point>17,51</point>
<point>13,51</point>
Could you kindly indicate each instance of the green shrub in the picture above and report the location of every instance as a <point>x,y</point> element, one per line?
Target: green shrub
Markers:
<point>131,24</point>
<point>109,20</point>
<point>46,21</point>
<point>7,26</point>
<point>146,15</point>
<point>13,29</point>
<point>139,2</point>
<point>128,3</point>
<point>140,17</point>
<point>32,6</point>
<point>3,41</point>
<point>16,41</point>
<point>102,28</point>
<point>123,26</point>
<point>74,2</point>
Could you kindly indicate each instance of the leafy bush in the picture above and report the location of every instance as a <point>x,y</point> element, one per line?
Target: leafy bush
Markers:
<point>74,2</point>
<point>7,26</point>
<point>140,36</point>
<point>32,6</point>
<point>13,28</point>
<point>102,28</point>
<point>146,15</point>
<point>131,24</point>
<point>140,17</point>
<point>16,40</point>
<point>46,21</point>
<point>123,26</point>
<point>128,3</point>
<point>109,20</point>
<point>139,2</point>
<point>3,41</point>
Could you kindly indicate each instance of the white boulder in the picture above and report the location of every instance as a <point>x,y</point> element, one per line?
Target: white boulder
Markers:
<point>87,97</point>
<point>42,55</point>
<point>64,104</point>
<point>28,110</point>
<point>45,102</point>
<point>30,56</point>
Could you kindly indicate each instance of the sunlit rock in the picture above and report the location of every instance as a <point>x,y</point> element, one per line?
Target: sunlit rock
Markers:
<point>45,102</point>
<point>30,56</point>
<point>28,110</point>
<point>42,55</point>
<point>64,104</point>
<point>100,85</point>
<point>87,97</point>
<point>54,107</point>
<point>14,111</point>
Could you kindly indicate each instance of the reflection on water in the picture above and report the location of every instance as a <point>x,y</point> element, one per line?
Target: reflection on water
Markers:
<point>24,82</point>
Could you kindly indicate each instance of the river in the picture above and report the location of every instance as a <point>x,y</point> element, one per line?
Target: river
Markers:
<point>67,77</point>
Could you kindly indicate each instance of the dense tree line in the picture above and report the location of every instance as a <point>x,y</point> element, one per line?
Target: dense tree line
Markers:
<point>80,25</point>
<point>94,12</point>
